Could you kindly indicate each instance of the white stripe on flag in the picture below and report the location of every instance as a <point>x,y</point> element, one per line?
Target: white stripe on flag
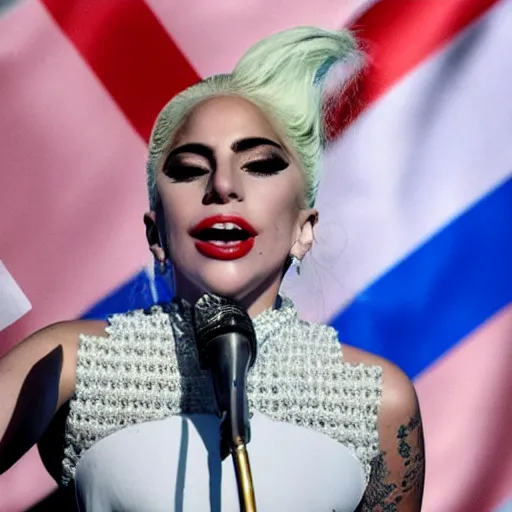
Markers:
<point>424,153</point>
<point>13,302</point>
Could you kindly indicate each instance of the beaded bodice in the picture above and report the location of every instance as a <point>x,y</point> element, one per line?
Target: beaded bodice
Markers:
<point>147,369</point>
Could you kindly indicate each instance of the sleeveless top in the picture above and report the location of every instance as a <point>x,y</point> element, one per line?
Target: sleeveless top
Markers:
<point>140,393</point>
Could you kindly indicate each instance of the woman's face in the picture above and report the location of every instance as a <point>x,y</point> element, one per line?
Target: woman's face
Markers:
<point>232,204</point>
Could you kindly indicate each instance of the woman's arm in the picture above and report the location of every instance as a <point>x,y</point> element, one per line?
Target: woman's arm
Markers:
<point>36,378</point>
<point>398,472</point>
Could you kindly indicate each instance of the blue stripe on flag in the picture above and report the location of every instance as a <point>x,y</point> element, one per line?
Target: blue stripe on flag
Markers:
<point>432,299</point>
<point>135,294</point>
<point>422,307</point>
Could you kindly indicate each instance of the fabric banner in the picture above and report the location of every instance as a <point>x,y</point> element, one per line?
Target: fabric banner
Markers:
<point>413,249</point>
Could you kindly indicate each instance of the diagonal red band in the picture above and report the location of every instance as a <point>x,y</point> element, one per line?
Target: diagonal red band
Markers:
<point>130,52</point>
<point>397,35</point>
<point>142,68</point>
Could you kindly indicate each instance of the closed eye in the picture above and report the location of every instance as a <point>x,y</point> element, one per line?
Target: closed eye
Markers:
<point>267,166</point>
<point>182,173</point>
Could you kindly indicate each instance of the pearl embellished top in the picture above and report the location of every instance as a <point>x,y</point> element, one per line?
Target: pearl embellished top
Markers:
<point>142,433</point>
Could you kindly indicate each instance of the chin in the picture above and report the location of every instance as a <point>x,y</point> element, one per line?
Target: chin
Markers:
<point>236,280</point>
<point>225,287</point>
<point>245,287</point>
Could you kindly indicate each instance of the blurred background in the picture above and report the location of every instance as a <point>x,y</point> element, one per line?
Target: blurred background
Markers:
<point>414,244</point>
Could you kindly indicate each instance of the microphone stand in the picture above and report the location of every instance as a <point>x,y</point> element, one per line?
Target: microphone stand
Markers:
<point>229,382</point>
<point>244,478</point>
<point>227,347</point>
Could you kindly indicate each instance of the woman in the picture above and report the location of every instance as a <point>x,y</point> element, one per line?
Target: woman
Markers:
<point>127,415</point>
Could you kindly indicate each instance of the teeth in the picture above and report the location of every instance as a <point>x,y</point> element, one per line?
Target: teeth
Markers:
<point>225,225</point>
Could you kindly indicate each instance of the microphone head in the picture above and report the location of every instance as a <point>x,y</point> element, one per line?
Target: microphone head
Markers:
<point>213,316</point>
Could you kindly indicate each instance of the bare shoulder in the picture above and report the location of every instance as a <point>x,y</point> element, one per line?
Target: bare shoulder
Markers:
<point>62,338</point>
<point>66,333</point>
<point>397,478</point>
<point>37,377</point>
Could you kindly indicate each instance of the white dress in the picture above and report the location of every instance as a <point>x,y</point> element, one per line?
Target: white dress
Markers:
<point>142,434</point>
<point>173,465</point>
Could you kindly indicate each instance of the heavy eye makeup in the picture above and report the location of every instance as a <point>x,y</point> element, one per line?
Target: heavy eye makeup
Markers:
<point>181,171</point>
<point>266,165</point>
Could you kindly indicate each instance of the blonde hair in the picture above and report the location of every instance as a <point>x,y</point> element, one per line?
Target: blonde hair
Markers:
<point>284,75</point>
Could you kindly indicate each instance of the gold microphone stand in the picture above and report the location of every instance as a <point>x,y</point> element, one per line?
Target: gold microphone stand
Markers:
<point>243,477</point>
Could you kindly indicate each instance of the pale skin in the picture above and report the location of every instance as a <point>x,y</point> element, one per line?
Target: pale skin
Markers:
<point>265,184</point>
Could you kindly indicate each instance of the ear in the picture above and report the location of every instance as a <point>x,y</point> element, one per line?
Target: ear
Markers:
<point>153,236</point>
<point>304,238</point>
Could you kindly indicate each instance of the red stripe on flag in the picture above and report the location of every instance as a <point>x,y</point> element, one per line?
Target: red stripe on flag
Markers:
<point>130,52</point>
<point>397,35</point>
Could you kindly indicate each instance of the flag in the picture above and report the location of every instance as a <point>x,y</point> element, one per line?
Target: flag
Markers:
<point>415,204</point>
<point>414,244</point>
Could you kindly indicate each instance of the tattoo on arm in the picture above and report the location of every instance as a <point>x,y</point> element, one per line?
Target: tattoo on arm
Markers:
<point>379,492</point>
<point>414,459</point>
<point>384,494</point>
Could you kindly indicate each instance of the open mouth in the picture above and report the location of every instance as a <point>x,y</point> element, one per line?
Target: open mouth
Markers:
<point>224,237</point>
<point>223,233</point>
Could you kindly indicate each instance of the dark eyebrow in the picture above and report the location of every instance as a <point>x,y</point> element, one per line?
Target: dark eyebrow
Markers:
<point>238,146</point>
<point>253,142</point>
<point>198,149</point>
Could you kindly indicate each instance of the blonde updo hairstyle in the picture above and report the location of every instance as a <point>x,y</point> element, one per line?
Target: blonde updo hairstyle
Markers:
<point>284,75</point>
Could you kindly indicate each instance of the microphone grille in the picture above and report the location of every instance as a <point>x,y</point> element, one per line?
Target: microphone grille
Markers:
<point>214,315</point>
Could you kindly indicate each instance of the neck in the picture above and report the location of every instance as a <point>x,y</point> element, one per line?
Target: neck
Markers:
<point>255,302</point>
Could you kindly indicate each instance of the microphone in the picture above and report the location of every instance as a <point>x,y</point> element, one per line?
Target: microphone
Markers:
<point>226,347</point>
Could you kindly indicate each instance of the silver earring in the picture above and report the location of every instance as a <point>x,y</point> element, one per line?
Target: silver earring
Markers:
<point>163,266</point>
<point>296,262</point>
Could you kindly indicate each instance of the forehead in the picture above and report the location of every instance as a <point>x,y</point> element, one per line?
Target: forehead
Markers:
<point>225,118</point>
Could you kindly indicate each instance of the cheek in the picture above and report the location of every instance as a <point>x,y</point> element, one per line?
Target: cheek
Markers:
<point>176,216</point>
<point>281,215</point>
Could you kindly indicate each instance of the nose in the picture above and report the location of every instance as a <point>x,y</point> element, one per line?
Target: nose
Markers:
<point>224,186</point>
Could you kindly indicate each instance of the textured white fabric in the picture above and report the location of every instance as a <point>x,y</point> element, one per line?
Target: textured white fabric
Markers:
<point>147,370</point>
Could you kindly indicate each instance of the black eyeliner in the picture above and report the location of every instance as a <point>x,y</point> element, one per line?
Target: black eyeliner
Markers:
<point>181,173</point>
<point>267,166</point>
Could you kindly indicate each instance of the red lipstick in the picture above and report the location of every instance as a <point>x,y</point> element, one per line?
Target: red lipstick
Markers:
<point>237,242</point>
